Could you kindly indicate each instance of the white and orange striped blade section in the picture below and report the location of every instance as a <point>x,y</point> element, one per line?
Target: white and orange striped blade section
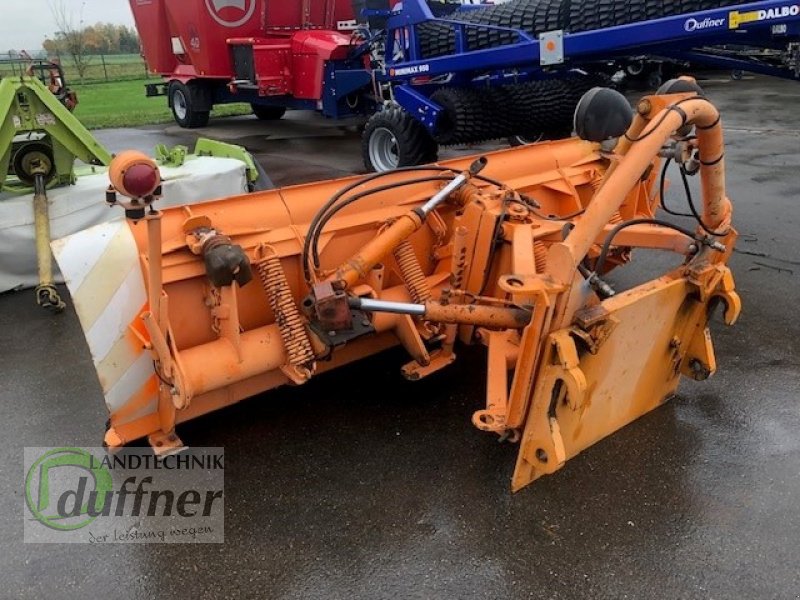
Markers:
<point>101,267</point>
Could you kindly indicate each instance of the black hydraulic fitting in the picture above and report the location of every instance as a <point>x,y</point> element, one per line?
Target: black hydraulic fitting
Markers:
<point>225,262</point>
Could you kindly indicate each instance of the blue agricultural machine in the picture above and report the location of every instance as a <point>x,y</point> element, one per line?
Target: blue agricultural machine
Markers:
<point>448,74</point>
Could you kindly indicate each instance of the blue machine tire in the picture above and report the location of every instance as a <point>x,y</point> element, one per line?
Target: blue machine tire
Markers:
<point>392,138</point>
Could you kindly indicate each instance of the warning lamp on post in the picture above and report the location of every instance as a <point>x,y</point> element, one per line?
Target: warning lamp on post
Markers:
<point>136,176</point>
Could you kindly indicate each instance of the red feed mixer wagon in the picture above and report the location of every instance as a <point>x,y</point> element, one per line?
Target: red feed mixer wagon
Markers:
<point>273,54</point>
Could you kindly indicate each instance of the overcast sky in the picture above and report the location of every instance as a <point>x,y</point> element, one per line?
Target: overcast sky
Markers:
<point>24,24</point>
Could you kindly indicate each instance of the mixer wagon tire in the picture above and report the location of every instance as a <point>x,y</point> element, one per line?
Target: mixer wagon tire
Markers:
<point>268,113</point>
<point>185,104</point>
<point>393,139</point>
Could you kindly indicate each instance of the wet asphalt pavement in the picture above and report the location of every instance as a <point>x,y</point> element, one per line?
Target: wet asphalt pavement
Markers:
<point>362,485</point>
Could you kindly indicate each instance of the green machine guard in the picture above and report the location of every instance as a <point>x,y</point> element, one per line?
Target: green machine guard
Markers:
<point>33,120</point>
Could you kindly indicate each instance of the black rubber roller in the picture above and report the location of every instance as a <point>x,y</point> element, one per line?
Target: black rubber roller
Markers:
<point>585,15</point>
<point>545,108</point>
<point>531,110</point>
<point>466,117</point>
<point>537,16</point>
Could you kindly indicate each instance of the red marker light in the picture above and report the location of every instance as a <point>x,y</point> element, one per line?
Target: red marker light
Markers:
<point>134,174</point>
<point>140,180</point>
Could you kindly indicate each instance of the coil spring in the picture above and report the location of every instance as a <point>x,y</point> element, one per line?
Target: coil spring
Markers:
<point>540,256</point>
<point>597,183</point>
<point>287,315</point>
<point>412,273</point>
<point>459,270</point>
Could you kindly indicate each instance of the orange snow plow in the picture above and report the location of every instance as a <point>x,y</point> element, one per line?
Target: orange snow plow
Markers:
<point>194,308</point>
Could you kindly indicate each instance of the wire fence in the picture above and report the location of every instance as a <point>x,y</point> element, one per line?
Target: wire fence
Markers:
<point>96,68</point>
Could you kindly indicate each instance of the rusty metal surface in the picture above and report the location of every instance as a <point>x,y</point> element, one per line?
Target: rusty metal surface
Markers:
<point>697,499</point>
<point>331,309</point>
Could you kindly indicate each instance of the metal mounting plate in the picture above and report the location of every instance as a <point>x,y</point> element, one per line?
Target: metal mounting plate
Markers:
<point>551,47</point>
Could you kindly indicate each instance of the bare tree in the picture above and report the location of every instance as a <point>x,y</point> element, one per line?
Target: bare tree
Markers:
<point>71,37</point>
